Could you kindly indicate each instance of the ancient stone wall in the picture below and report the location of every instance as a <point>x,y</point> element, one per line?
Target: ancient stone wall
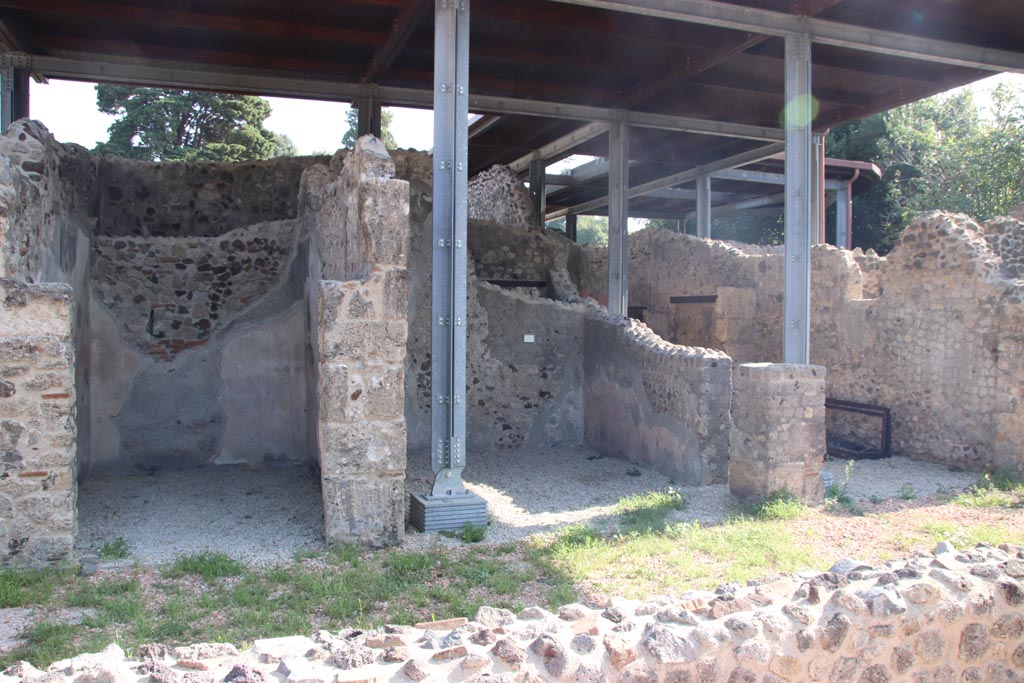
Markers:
<point>521,393</point>
<point>46,202</point>
<point>195,199</point>
<point>947,617</point>
<point>777,437</point>
<point>198,350</point>
<point>497,195</point>
<point>358,216</point>
<point>934,331</point>
<point>655,403</point>
<point>37,423</point>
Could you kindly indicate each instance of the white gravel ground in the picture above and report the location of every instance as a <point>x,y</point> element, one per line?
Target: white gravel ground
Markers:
<point>887,478</point>
<point>270,514</point>
<point>538,490</point>
<point>253,515</point>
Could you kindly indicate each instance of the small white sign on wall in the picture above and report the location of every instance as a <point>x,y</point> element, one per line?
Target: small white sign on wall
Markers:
<point>527,338</point>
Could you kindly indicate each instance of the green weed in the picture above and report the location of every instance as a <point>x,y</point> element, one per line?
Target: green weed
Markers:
<point>208,565</point>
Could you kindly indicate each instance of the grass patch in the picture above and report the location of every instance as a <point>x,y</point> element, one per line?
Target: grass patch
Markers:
<point>647,512</point>
<point>470,533</point>
<point>778,505</point>
<point>45,643</point>
<point>678,557</point>
<point>208,565</point>
<point>993,490</point>
<point>114,550</point>
<point>23,587</point>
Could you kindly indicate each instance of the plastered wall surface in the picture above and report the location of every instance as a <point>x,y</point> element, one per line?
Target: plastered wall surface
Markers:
<point>933,330</point>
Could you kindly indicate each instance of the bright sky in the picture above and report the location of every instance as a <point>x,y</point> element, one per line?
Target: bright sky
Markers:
<point>68,109</point>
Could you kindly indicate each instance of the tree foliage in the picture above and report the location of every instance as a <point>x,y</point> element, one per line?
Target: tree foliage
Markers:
<point>348,140</point>
<point>159,124</point>
<point>944,152</point>
<point>589,229</point>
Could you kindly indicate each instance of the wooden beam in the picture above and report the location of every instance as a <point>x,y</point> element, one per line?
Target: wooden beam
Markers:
<point>405,25</point>
<point>243,22</point>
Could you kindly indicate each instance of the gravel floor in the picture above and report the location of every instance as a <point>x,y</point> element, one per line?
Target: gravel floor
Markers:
<point>887,478</point>
<point>254,515</point>
<point>270,514</point>
<point>531,491</point>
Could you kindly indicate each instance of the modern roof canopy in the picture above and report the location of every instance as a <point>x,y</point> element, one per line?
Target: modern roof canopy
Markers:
<point>698,81</point>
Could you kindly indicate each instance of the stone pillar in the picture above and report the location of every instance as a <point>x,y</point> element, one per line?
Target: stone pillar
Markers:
<point>777,439</point>
<point>38,491</point>
<point>361,345</point>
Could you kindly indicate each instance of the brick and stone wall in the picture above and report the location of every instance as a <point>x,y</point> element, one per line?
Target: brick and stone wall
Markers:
<point>37,423</point>
<point>46,195</point>
<point>777,437</point>
<point>656,403</point>
<point>947,617</point>
<point>358,216</point>
<point>933,330</point>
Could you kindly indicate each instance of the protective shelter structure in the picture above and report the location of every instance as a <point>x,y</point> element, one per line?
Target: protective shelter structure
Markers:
<point>673,93</point>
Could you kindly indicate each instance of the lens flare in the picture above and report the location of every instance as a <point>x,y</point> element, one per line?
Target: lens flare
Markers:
<point>798,110</point>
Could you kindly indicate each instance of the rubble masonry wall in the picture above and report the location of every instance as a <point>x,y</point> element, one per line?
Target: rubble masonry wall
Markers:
<point>948,617</point>
<point>934,331</point>
<point>656,403</point>
<point>46,194</point>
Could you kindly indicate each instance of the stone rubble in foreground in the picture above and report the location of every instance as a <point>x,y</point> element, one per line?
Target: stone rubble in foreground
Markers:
<point>944,617</point>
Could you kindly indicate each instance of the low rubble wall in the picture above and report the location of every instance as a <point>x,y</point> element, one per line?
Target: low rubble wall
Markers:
<point>944,618</point>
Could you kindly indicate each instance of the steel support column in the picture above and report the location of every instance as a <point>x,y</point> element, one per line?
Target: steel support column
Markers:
<point>818,189</point>
<point>570,226</point>
<point>618,218</point>
<point>704,205</point>
<point>844,211</point>
<point>13,96</point>
<point>449,505</point>
<point>538,191</point>
<point>369,121</point>
<point>800,211</point>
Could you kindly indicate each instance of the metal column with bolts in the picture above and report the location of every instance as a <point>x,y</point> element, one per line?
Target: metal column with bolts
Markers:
<point>799,202</point>
<point>704,205</point>
<point>449,506</point>
<point>817,188</point>
<point>13,96</point>
<point>618,218</point>
<point>369,120</point>
<point>843,209</point>
<point>537,189</point>
<point>570,226</point>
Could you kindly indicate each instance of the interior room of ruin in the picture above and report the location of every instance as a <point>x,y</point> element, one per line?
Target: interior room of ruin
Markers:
<point>226,319</point>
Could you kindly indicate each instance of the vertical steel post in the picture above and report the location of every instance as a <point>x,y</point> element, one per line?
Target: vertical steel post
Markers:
<point>570,226</point>
<point>369,121</point>
<point>703,205</point>
<point>14,90</point>
<point>451,141</point>
<point>618,217</point>
<point>537,189</point>
<point>799,205</point>
<point>817,189</point>
<point>843,213</point>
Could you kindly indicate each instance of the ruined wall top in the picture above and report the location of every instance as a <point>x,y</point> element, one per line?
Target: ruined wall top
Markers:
<point>43,185</point>
<point>195,199</point>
